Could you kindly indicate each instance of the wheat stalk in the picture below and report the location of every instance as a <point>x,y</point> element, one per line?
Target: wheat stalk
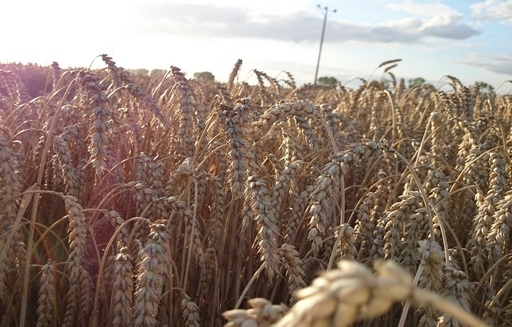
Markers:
<point>294,271</point>
<point>151,273</point>
<point>352,293</point>
<point>47,295</point>
<point>197,189</point>
<point>268,229</point>
<point>262,313</point>
<point>123,288</point>
<point>234,74</point>
<point>97,103</point>
<point>190,311</point>
<point>77,273</point>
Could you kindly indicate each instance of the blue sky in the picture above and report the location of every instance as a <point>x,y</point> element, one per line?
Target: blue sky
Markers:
<point>471,40</point>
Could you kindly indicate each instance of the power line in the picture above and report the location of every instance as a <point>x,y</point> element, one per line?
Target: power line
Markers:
<point>326,11</point>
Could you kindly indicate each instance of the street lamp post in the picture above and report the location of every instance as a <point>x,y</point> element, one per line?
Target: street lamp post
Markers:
<point>326,11</point>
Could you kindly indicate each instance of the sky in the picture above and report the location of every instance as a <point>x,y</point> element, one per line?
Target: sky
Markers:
<point>471,40</point>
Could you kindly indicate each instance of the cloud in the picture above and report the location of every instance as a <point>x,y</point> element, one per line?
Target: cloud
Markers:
<point>207,20</point>
<point>425,9</point>
<point>437,20</point>
<point>493,10</point>
<point>496,64</point>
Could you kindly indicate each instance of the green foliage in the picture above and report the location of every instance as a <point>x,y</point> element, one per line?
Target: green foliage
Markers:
<point>157,73</point>
<point>204,77</point>
<point>327,80</point>
<point>484,87</point>
<point>416,82</point>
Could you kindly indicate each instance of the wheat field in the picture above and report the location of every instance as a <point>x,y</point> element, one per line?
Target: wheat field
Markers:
<point>130,200</point>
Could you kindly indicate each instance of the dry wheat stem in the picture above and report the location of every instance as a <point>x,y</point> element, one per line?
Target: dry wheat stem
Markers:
<point>421,297</point>
<point>192,237</point>
<point>35,204</point>
<point>152,273</point>
<point>351,293</point>
<point>262,313</point>
<point>99,280</point>
<point>427,206</point>
<point>249,284</point>
<point>291,137</point>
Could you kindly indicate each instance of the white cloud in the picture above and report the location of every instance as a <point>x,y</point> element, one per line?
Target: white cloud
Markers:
<point>500,64</point>
<point>425,9</point>
<point>493,10</point>
<point>210,21</point>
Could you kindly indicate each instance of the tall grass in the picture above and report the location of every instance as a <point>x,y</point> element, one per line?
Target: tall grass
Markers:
<point>159,201</point>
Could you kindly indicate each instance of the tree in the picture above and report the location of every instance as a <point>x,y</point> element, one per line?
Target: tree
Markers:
<point>157,73</point>
<point>416,82</point>
<point>140,71</point>
<point>204,77</point>
<point>327,80</point>
<point>483,87</point>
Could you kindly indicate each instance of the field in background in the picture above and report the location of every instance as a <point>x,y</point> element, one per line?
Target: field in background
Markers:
<point>162,201</point>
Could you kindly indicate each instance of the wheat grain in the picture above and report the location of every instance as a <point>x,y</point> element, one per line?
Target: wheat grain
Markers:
<point>261,314</point>
<point>395,220</point>
<point>294,271</point>
<point>498,238</point>
<point>414,231</point>
<point>86,293</point>
<point>321,208</point>
<point>114,71</point>
<point>67,167</point>
<point>190,311</point>
<point>57,74</point>
<point>247,178</point>
<point>151,273</point>
<point>282,186</point>
<point>364,226</point>
<point>487,207</point>
<point>299,206</point>
<point>77,243</point>
<point>14,86</point>
<point>123,288</point>
<point>352,293</point>
<point>4,263</point>
<point>234,74</point>
<point>431,277</point>
<point>456,288</point>
<point>97,103</point>
<point>268,230</point>
<point>345,247</point>
<point>47,295</point>
<point>399,90</point>
<point>143,97</point>
<point>235,125</point>
<point>185,111</point>
<point>388,62</point>
<point>216,217</point>
<point>291,80</point>
<point>10,185</point>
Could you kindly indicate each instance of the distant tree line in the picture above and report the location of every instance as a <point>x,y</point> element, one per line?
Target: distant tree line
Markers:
<point>411,83</point>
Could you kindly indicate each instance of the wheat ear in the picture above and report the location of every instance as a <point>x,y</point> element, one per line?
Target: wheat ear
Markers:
<point>262,313</point>
<point>123,288</point>
<point>47,295</point>
<point>152,272</point>
<point>352,293</point>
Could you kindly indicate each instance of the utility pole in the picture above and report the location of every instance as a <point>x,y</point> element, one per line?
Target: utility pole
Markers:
<point>326,11</point>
